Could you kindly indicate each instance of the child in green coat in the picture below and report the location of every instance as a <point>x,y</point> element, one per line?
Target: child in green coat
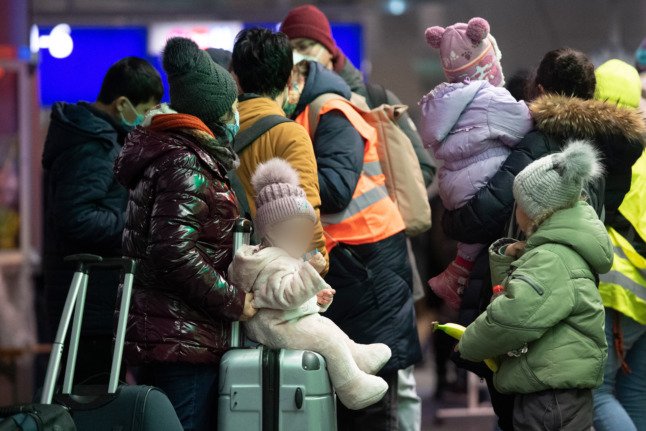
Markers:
<point>547,329</point>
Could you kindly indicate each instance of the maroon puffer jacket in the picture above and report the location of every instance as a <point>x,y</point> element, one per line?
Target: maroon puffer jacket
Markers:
<point>179,226</point>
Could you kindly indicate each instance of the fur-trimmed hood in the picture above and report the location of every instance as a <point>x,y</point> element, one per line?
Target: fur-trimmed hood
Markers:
<point>575,118</point>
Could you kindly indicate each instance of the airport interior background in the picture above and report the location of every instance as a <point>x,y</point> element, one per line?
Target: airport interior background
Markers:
<point>52,50</point>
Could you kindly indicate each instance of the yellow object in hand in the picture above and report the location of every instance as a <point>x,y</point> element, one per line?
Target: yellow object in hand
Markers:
<point>456,331</point>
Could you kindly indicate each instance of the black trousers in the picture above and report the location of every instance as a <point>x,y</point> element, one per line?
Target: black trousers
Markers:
<point>554,410</point>
<point>377,417</point>
<point>503,405</point>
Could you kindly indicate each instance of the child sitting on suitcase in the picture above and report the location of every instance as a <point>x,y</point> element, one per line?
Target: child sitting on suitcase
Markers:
<point>290,293</point>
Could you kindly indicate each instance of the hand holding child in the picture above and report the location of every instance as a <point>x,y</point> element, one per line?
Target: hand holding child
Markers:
<point>325,297</point>
<point>516,249</point>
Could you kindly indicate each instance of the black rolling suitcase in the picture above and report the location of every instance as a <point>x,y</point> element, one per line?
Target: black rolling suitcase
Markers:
<point>262,389</point>
<point>36,417</point>
<point>97,408</point>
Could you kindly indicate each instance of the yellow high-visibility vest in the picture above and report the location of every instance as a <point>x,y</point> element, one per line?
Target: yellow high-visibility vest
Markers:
<point>624,287</point>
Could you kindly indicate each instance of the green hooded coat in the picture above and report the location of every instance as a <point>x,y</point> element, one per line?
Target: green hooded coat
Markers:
<point>551,306</point>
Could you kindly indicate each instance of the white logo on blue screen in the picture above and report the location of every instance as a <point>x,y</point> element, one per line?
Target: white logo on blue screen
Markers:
<point>58,42</point>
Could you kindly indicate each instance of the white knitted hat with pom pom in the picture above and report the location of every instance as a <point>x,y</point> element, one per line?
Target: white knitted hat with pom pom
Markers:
<point>278,195</point>
<point>556,182</point>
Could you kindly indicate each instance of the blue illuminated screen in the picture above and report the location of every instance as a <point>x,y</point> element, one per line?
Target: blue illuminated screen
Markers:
<point>79,76</point>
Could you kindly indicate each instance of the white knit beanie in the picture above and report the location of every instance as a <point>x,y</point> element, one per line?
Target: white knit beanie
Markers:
<point>556,181</point>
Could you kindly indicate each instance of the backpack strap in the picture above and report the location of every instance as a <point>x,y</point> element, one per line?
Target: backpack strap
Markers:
<point>257,129</point>
<point>377,95</point>
<point>240,143</point>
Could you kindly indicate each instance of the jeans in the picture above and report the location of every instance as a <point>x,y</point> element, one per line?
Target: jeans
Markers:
<point>409,404</point>
<point>192,389</point>
<point>381,416</point>
<point>620,402</point>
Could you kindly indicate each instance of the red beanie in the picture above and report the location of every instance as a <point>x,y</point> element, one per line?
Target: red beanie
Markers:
<point>309,22</point>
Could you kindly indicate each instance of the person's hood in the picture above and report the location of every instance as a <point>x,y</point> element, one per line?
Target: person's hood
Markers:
<point>144,145</point>
<point>580,229</point>
<point>76,124</point>
<point>443,107</point>
<point>353,77</point>
<point>575,118</point>
<point>321,81</point>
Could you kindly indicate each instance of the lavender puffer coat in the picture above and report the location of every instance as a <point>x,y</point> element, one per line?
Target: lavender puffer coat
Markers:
<point>470,128</point>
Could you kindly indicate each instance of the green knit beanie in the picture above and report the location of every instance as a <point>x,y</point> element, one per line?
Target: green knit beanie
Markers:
<point>556,181</point>
<point>198,86</point>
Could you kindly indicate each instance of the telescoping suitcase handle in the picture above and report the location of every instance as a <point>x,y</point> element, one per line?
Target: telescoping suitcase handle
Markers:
<point>74,306</point>
<point>241,236</point>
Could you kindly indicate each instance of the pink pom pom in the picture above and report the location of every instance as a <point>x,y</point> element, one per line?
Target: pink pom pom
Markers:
<point>477,29</point>
<point>434,36</point>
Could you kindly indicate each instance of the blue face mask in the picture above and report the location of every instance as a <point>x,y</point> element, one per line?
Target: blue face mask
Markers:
<point>233,128</point>
<point>139,119</point>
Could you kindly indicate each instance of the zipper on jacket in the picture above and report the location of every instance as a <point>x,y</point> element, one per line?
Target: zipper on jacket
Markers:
<point>537,287</point>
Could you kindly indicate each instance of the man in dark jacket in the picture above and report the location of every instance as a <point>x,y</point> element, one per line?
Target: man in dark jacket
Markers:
<point>84,204</point>
<point>564,110</point>
<point>374,300</point>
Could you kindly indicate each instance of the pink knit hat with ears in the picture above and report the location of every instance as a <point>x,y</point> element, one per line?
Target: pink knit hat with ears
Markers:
<point>278,195</point>
<point>468,51</point>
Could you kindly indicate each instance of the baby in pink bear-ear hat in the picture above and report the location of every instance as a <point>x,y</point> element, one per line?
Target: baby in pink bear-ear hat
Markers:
<point>290,293</point>
<point>470,123</point>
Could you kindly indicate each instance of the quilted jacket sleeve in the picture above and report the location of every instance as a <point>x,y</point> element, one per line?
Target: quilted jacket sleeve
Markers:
<point>179,213</point>
<point>483,219</point>
<point>79,201</point>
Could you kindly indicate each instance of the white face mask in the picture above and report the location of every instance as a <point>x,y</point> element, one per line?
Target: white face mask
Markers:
<point>298,57</point>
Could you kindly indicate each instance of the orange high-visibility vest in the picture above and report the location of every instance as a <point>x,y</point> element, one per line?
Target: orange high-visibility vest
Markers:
<point>371,216</point>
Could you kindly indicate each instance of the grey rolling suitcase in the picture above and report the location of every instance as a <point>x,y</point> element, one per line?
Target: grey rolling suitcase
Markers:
<point>97,408</point>
<point>262,389</point>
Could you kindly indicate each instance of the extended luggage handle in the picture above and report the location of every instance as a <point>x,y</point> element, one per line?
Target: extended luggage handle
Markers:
<point>241,236</point>
<point>74,307</point>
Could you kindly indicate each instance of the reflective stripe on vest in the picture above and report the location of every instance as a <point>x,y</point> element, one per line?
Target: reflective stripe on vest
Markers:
<point>624,287</point>
<point>371,215</point>
<point>357,205</point>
